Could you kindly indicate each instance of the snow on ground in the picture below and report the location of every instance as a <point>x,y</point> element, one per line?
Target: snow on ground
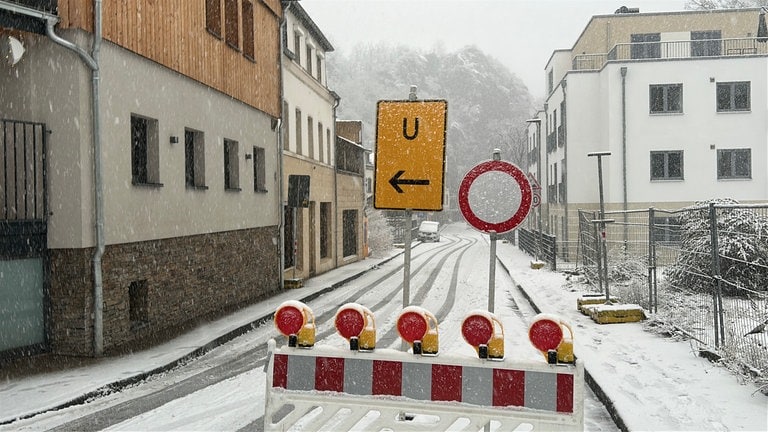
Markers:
<point>655,383</point>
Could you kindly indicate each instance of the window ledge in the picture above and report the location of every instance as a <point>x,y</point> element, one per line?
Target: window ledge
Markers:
<point>734,178</point>
<point>230,189</point>
<point>196,187</point>
<point>662,180</point>
<point>261,190</point>
<point>149,185</point>
<point>735,111</point>
<point>666,113</point>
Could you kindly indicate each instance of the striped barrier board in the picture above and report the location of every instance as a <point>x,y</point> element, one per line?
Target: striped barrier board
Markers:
<point>368,391</point>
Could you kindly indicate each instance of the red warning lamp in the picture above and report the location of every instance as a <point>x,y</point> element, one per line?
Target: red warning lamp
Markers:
<point>418,327</point>
<point>295,320</point>
<point>356,324</point>
<point>547,335</point>
<point>485,333</point>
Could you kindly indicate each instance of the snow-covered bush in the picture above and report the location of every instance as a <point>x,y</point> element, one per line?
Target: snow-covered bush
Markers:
<point>627,275</point>
<point>742,237</point>
<point>380,238</point>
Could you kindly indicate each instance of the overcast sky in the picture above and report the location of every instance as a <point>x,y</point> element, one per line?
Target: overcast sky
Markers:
<point>521,34</point>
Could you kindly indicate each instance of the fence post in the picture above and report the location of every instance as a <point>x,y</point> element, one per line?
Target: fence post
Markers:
<point>652,306</point>
<point>716,292</point>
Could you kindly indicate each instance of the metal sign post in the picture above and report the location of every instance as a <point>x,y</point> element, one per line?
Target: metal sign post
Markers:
<point>486,222</point>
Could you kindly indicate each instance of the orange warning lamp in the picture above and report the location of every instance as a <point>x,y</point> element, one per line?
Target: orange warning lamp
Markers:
<point>356,324</point>
<point>296,321</point>
<point>485,333</point>
<point>547,335</point>
<point>418,327</point>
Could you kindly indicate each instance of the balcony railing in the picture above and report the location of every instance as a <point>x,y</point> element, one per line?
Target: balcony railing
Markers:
<point>673,50</point>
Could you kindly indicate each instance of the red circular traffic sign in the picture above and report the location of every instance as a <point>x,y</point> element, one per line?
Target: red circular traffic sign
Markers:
<point>412,326</point>
<point>477,330</point>
<point>525,197</point>
<point>349,322</point>
<point>545,334</point>
<point>289,320</point>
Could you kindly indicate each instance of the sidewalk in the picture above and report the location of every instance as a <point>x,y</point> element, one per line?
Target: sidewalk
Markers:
<point>653,382</point>
<point>26,395</point>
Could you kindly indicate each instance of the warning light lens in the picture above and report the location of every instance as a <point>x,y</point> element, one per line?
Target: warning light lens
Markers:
<point>545,334</point>
<point>412,326</point>
<point>349,323</point>
<point>289,320</point>
<point>477,330</point>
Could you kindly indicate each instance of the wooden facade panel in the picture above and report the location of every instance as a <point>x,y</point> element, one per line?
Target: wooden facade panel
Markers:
<point>173,33</point>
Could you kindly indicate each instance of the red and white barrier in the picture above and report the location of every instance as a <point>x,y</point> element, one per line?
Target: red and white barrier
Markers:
<point>369,391</point>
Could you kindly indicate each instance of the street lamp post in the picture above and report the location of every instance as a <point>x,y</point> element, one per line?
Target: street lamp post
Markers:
<point>537,121</point>
<point>603,250</point>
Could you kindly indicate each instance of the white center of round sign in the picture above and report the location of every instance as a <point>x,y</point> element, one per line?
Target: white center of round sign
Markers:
<point>495,196</point>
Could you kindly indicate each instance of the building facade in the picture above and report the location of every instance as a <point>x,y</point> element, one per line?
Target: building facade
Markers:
<point>149,181</point>
<point>678,99</point>
<point>309,147</point>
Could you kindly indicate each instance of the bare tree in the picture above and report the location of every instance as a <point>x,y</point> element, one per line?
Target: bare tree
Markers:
<point>724,4</point>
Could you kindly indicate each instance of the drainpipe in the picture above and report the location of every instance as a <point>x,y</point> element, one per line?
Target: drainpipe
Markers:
<point>280,145</point>
<point>93,62</point>
<point>624,146</point>
<point>337,101</point>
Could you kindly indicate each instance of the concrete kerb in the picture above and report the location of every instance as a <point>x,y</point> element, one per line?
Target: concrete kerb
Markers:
<point>588,378</point>
<point>199,351</point>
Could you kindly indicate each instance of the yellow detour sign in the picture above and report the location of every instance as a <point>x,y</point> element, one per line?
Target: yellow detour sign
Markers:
<point>410,155</point>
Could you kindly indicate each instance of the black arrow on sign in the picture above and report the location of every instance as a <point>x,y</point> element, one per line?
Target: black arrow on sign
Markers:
<point>396,181</point>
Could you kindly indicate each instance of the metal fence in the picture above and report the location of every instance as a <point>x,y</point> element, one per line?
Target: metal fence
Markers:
<point>703,270</point>
<point>529,241</point>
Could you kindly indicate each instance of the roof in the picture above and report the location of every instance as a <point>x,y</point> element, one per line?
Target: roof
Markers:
<point>294,7</point>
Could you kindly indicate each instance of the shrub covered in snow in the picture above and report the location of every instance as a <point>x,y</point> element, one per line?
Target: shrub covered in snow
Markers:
<point>380,238</point>
<point>742,237</point>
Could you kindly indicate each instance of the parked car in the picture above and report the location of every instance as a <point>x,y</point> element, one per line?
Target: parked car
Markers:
<point>429,231</point>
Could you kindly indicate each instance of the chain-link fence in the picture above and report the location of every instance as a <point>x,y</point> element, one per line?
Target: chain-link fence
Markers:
<point>702,269</point>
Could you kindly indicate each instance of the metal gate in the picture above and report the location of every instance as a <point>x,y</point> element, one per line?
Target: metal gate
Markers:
<point>23,227</point>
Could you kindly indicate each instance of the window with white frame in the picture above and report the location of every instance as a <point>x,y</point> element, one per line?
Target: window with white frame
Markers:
<point>666,98</point>
<point>667,165</point>
<point>733,96</point>
<point>734,163</point>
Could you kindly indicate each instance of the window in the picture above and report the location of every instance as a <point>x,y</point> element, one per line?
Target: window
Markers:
<point>319,68</point>
<point>194,159</point>
<point>667,165</point>
<point>138,304</point>
<point>309,59</point>
<point>145,168</point>
<point>288,242</point>
<point>734,163</point>
<point>213,17</point>
<point>231,31</point>
<point>286,128</point>
<point>328,145</point>
<point>325,229</point>
<point>231,167</point>
<point>311,137</point>
<point>297,45</point>
<point>350,232</point>
<point>705,43</point>
<point>320,141</point>
<point>249,48</point>
<point>733,96</point>
<point>298,131</point>
<point>550,81</point>
<point>645,45</point>
<point>259,170</point>
<point>666,98</point>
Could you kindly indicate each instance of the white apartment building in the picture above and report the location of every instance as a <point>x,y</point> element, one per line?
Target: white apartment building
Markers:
<point>680,100</point>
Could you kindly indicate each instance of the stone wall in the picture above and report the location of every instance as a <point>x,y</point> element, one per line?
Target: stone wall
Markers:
<point>185,279</point>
